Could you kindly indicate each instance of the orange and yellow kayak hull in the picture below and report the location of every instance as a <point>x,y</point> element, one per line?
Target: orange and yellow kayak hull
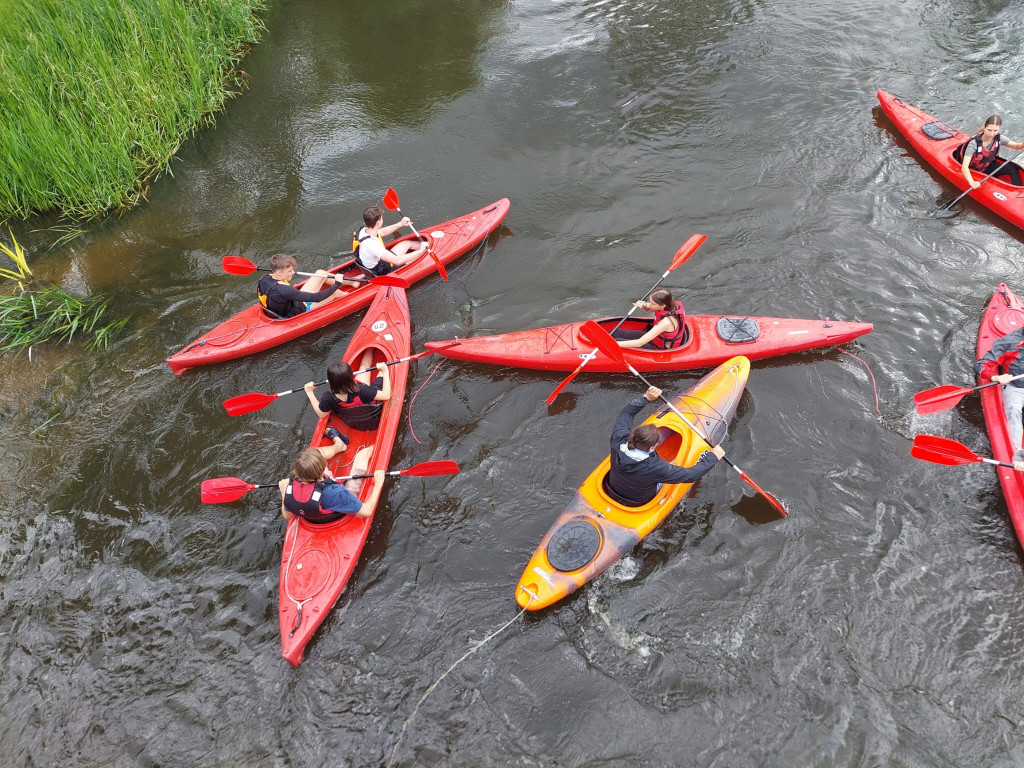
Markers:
<point>594,522</point>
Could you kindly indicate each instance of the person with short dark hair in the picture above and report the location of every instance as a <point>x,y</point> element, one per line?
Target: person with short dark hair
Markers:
<point>372,255</point>
<point>354,398</point>
<point>277,294</point>
<point>668,330</point>
<point>311,493</point>
<point>637,471</point>
<point>981,154</point>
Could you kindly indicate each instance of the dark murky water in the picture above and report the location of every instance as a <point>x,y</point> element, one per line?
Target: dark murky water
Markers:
<point>880,624</point>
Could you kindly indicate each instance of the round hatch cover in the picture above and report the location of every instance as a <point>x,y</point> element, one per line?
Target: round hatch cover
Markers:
<point>573,545</point>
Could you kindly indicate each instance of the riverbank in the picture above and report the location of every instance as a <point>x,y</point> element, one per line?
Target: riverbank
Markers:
<point>101,93</point>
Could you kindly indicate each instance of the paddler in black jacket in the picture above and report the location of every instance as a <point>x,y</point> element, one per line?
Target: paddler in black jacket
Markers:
<point>276,293</point>
<point>1000,364</point>
<point>638,471</point>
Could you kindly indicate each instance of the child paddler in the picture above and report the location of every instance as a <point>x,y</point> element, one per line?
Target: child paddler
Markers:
<point>637,471</point>
<point>277,295</point>
<point>668,330</point>
<point>354,398</point>
<point>311,493</point>
<point>368,244</point>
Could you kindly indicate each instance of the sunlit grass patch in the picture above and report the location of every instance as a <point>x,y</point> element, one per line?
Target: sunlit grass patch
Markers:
<point>99,94</point>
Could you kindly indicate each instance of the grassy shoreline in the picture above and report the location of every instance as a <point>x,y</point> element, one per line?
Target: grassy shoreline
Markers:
<point>99,94</point>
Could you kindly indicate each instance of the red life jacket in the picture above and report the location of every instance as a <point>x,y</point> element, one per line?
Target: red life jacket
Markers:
<point>670,339</point>
<point>303,499</point>
<point>360,415</point>
<point>984,160</point>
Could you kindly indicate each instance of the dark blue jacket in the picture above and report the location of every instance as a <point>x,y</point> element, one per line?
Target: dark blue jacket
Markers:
<point>635,482</point>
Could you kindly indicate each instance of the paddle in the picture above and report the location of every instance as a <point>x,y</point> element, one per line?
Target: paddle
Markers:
<point>945,397</point>
<point>942,450</point>
<point>391,203</point>
<point>221,490</point>
<point>595,334</point>
<point>239,265</point>
<point>943,213</point>
<point>254,401</point>
<point>686,250</point>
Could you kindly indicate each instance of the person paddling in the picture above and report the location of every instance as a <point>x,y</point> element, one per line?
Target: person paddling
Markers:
<point>668,330</point>
<point>368,244</point>
<point>354,398</point>
<point>1000,364</point>
<point>637,471</point>
<point>311,493</point>
<point>981,154</point>
<point>277,295</point>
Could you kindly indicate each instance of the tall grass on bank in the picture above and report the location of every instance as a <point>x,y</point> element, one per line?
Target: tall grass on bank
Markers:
<point>97,95</point>
<point>38,312</point>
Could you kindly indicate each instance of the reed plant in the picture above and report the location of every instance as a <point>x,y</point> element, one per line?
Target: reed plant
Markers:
<point>97,95</point>
<point>35,312</point>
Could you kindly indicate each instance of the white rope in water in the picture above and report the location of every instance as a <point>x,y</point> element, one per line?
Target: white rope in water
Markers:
<point>437,682</point>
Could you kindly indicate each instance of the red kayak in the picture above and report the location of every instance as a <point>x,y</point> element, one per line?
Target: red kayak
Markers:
<point>935,141</point>
<point>317,560</point>
<point>253,330</point>
<point>710,341</point>
<point>1004,313</point>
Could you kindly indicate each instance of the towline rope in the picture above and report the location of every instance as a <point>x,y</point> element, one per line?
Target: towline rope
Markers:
<point>437,682</point>
<point>873,385</point>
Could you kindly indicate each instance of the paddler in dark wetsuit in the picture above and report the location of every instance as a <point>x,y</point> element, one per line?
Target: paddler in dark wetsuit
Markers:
<point>310,493</point>
<point>1000,364</point>
<point>668,330</point>
<point>981,154</point>
<point>276,293</point>
<point>637,471</point>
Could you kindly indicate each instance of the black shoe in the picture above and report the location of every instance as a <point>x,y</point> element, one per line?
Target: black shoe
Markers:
<point>330,433</point>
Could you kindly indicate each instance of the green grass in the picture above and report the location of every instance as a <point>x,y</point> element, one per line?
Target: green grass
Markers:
<point>35,312</point>
<point>98,95</point>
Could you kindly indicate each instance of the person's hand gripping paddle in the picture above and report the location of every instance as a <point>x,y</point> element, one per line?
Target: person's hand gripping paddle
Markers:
<point>391,203</point>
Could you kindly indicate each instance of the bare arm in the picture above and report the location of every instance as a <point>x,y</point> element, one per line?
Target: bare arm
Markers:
<point>385,231</point>
<point>965,170</point>
<point>308,389</point>
<point>284,512</point>
<point>663,326</point>
<point>371,502</point>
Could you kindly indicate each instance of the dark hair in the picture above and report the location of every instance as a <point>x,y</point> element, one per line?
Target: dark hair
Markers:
<point>309,466</point>
<point>341,380</point>
<point>372,215</point>
<point>991,120</point>
<point>663,297</point>
<point>644,437</point>
<point>281,261</point>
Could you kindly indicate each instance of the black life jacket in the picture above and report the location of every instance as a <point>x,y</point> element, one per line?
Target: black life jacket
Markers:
<point>303,499</point>
<point>983,160</point>
<point>270,299</point>
<point>674,338</point>
<point>359,415</point>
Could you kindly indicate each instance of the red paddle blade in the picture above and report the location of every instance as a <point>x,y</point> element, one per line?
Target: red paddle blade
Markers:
<point>942,450</point>
<point>391,200</point>
<point>221,490</point>
<point>440,267</point>
<point>594,334</point>
<point>687,249</point>
<point>565,382</point>
<point>431,468</point>
<point>771,499</point>
<point>940,398</point>
<point>393,281</point>
<point>237,265</point>
<point>253,401</point>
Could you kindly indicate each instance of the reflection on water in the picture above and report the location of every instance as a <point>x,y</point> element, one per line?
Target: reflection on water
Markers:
<point>876,625</point>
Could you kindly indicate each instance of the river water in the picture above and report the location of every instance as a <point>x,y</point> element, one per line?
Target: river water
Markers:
<point>879,625</point>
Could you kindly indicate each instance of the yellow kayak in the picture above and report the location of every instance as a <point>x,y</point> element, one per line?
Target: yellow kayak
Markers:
<point>594,530</point>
